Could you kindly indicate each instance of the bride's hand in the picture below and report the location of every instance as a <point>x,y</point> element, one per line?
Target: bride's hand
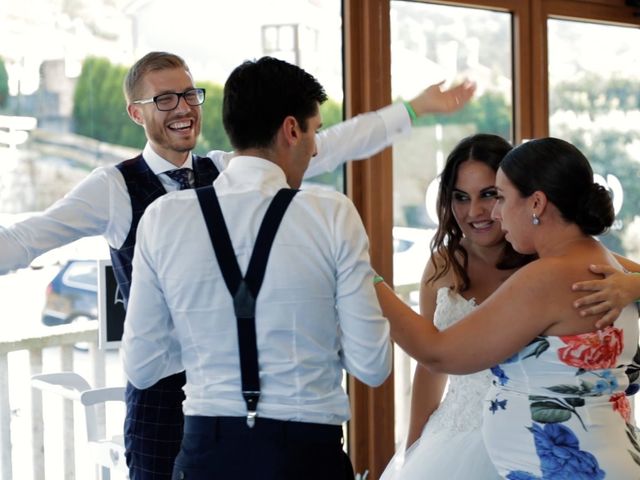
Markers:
<point>610,294</point>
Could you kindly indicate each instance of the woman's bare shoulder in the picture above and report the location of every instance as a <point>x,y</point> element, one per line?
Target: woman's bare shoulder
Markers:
<point>538,275</point>
<point>551,273</point>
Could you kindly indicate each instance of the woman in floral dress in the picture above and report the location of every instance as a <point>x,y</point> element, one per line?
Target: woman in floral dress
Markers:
<point>574,388</point>
<point>558,408</point>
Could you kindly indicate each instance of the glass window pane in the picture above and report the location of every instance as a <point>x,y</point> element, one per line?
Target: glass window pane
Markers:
<point>433,43</point>
<point>594,103</point>
<point>62,114</point>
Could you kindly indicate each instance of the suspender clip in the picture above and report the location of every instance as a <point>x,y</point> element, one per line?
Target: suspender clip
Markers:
<point>251,418</point>
<point>251,398</point>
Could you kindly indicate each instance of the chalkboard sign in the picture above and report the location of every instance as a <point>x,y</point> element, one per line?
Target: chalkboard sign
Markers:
<point>111,311</point>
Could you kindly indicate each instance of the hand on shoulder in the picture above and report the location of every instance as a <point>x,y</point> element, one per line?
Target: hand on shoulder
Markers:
<point>607,295</point>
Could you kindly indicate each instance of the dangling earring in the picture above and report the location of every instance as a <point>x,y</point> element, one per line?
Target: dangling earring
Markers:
<point>535,220</point>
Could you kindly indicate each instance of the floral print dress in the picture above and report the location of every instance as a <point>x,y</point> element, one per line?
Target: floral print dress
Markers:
<point>559,409</point>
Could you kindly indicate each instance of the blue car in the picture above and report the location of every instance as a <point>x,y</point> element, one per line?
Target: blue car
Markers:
<point>72,294</point>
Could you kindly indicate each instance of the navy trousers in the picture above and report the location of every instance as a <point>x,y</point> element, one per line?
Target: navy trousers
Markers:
<point>153,428</point>
<point>226,448</point>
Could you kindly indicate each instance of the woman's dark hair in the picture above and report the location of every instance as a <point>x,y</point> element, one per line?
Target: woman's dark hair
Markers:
<point>564,175</point>
<point>445,244</point>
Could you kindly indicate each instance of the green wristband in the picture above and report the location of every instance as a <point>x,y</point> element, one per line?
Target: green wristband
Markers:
<point>377,279</point>
<point>411,112</point>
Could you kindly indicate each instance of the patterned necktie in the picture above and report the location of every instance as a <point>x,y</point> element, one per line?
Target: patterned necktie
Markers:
<point>180,176</point>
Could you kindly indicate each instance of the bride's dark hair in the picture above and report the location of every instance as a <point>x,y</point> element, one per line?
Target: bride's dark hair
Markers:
<point>445,244</point>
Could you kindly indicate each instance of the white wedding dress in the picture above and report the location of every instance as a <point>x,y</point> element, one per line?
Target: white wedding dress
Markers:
<point>451,446</point>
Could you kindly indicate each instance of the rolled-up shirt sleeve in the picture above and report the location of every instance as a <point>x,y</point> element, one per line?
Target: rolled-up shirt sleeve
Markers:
<point>150,349</point>
<point>364,332</point>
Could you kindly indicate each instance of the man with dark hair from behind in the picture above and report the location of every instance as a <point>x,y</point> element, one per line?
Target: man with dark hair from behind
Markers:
<point>315,315</point>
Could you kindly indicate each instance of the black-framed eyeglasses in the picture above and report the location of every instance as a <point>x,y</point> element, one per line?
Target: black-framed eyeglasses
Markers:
<point>169,101</point>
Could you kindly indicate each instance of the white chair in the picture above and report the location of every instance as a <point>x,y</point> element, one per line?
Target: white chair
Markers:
<point>108,453</point>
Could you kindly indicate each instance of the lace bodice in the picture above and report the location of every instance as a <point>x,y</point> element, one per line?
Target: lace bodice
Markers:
<point>461,408</point>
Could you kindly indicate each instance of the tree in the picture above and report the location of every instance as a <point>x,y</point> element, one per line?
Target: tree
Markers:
<point>4,85</point>
<point>597,97</point>
<point>332,113</point>
<point>99,108</point>
<point>213,135</point>
<point>489,113</point>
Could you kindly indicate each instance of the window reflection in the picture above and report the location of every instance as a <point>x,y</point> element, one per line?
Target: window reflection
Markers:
<point>594,102</point>
<point>429,44</point>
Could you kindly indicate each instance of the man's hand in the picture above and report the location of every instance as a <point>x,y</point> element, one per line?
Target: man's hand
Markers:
<point>434,100</point>
<point>612,293</point>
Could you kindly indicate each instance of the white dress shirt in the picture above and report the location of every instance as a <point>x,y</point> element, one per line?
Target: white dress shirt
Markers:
<point>100,204</point>
<point>316,314</point>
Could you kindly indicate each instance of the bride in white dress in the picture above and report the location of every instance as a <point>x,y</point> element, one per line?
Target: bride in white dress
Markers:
<point>470,259</point>
<point>450,446</point>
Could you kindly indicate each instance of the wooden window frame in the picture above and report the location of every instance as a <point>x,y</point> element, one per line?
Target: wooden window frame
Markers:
<point>370,184</point>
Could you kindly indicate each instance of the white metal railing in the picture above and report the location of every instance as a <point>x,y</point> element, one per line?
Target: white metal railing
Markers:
<point>63,337</point>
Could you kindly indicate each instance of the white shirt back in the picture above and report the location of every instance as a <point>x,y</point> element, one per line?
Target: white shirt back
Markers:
<point>316,314</point>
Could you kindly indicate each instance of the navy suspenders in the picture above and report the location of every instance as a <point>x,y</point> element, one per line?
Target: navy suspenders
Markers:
<point>244,290</point>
